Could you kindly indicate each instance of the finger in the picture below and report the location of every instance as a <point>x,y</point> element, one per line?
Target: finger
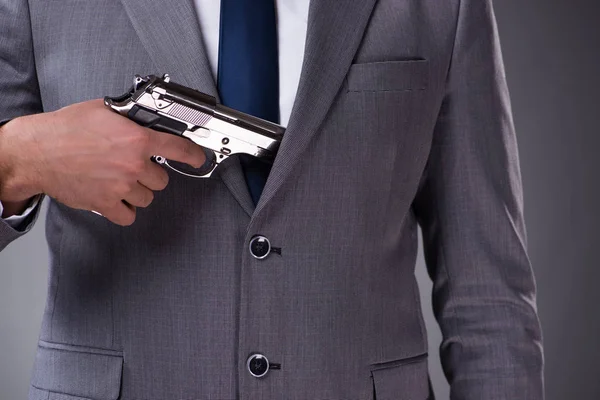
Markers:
<point>154,177</point>
<point>139,196</point>
<point>121,214</point>
<point>176,148</point>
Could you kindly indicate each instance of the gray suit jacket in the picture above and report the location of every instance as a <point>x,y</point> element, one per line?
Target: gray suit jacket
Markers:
<point>402,118</point>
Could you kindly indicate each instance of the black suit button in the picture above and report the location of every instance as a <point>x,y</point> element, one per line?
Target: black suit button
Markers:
<point>258,365</point>
<point>260,247</point>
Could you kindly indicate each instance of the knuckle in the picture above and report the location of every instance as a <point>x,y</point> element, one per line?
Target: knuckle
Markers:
<point>124,218</point>
<point>163,180</point>
<point>114,204</point>
<point>136,167</point>
<point>129,219</point>
<point>121,189</point>
<point>184,145</point>
<point>186,150</point>
<point>137,140</point>
<point>148,198</point>
<point>119,221</point>
<point>140,137</point>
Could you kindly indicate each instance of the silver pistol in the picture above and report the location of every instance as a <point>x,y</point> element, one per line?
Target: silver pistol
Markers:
<point>166,106</point>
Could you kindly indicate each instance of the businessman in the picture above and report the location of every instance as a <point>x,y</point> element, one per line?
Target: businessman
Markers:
<point>286,281</point>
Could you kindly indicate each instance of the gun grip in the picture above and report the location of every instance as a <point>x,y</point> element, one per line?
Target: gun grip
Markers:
<point>153,120</point>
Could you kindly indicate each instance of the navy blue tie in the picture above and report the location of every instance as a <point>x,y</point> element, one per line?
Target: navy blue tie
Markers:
<point>248,74</point>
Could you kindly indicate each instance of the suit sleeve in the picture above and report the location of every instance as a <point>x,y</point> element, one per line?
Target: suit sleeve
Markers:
<point>21,221</point>
<point>18,83</point>
<point>470,208</point>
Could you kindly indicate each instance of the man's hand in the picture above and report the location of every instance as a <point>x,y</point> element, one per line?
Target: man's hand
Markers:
<point>88,157</point>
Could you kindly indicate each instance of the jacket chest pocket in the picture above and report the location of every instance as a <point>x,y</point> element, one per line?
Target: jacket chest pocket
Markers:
<point>405,379</point>
<point>389,76</point>
<point>384,115</point>
<point>388,96</point>
<point>65,372</point>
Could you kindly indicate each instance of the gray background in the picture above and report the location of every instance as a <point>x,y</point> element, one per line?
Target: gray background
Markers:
<point>551,52</point>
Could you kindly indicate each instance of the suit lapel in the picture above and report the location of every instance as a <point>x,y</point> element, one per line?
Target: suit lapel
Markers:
<point>171,35</point>
<point>335,30</point>
<point>233,176</point>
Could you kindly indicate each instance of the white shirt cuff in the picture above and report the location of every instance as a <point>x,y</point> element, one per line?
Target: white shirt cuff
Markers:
<point>16,221</point>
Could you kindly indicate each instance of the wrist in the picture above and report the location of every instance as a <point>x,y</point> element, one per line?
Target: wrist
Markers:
<point>10,208</point>
<point>17,182</point>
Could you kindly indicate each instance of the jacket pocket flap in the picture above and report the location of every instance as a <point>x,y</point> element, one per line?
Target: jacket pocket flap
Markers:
<point>389,76</point>
<point>406,379</point>
<point>78,371</point>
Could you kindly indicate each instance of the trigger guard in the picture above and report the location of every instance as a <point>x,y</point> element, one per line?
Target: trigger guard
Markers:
<point>204,171</point>
<point>210,163</point>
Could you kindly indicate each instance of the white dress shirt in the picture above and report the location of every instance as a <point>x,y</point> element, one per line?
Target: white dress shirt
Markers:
<point>292,21</point>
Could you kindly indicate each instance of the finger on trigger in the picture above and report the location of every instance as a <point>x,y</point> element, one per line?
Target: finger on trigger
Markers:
<point>177,148</point>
